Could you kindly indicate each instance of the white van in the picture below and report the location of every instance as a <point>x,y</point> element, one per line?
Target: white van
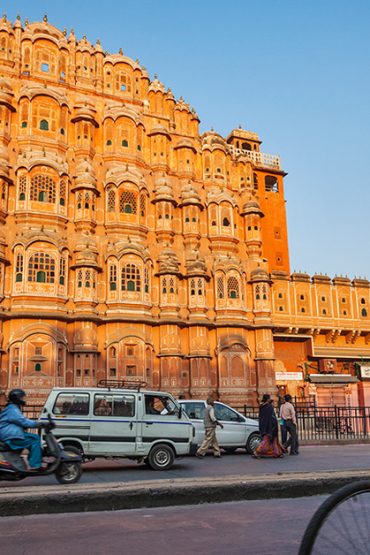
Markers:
<point>107,421</point>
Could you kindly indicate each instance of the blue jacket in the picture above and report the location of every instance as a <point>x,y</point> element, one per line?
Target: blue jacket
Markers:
<point>13,423</point>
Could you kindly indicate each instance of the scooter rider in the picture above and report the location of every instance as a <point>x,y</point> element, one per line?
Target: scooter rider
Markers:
<point>12,429</point>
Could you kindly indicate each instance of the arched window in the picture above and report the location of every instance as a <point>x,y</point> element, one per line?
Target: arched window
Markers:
<point>255,181</point>
<point>63,192</point>
<point>364,312</point>
<point>363,300</point>
<point>19,268</point>
<point>125,143</point>
<point>42,188</point>
<point>113,277</point>
<point>62,271</point>
<point>44,125</point>
<point>41,268</point>
<point>127,202</point>
<point>220,288</point>
<point>142,204</point>
<point>130,278</point>
<point>233,288</point>
<point>22,187</point>
<point>79,201</point>
<point>146,280</point>
<point>200,286</point>
<point>37,367</point>
<point>225,222</point>
<point>111,200</point>
<point>79,279</point>
<point>87,201</point>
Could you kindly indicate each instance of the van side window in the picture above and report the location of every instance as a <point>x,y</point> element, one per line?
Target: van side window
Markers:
<point>72,404</point>
<point>114,405</point>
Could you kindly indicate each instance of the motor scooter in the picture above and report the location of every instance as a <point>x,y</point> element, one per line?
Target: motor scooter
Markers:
<point>66,463</point>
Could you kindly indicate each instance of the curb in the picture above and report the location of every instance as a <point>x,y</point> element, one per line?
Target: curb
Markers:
<point>164,493</point>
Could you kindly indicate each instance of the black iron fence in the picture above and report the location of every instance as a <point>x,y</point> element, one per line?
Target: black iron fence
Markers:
<point>326,423</point>
<point>314,423</point>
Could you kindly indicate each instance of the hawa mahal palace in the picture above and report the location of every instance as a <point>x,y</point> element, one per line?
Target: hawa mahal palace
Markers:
<point>132,246</point>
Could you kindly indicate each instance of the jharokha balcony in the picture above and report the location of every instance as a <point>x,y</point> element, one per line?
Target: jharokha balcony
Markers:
<point>257,158</point>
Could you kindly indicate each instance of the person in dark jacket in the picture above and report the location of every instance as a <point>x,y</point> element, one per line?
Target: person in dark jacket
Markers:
<point>268,428</point>
<point>13,425</point>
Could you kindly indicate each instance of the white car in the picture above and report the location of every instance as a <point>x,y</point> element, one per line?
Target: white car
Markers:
<point>238,431</point>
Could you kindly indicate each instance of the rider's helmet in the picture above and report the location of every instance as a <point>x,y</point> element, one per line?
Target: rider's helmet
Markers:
<point>17,396</point>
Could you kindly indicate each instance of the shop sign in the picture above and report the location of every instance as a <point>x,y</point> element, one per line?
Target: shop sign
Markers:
<point>285,376</point>
<point>364,371</point>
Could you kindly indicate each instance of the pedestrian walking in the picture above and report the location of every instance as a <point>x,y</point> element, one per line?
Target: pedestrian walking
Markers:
<point>287,413</point>
<point>210,425</point>
<point>282,423</point>
<point>268,427</point>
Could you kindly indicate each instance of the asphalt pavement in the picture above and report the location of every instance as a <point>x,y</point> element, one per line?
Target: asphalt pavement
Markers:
<point>312,458</point>
<point>246,527</point>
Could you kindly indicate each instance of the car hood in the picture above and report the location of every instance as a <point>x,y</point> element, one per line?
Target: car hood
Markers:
<point>251,422</point>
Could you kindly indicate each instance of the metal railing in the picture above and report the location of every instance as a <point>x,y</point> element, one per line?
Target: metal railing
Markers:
<point>326,423</point>
<point>258,158</point>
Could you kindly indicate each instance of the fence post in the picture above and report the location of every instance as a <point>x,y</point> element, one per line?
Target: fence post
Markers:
<point>336,421</point>
<point>364,416</point>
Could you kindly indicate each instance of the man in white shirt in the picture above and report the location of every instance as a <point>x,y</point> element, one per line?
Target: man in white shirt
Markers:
<point>287,413</point>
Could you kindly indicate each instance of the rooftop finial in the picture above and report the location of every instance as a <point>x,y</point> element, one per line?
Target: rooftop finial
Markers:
<point>45,18</point>
<point>120,51</point>
<point>65,31</point>
<point>18,17</point>
<point>26,22</point>
<point>155,76</point>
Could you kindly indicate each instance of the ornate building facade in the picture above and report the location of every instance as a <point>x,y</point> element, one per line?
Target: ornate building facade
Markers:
<point>132,246</point>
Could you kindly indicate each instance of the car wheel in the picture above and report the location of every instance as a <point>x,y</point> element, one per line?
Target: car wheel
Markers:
<point>161,457</point>
<point>253,442</point>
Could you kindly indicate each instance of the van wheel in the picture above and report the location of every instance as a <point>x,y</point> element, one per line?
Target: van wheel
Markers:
<point>161,457</point>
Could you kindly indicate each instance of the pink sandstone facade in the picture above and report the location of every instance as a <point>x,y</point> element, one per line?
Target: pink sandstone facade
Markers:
<point>132,246</point>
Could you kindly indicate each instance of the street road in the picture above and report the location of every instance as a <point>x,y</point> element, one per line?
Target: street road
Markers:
<point>247,527</point>
<point>311,458</point>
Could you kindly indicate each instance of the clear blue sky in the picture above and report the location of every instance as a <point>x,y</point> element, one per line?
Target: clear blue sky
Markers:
<point>296,72</point>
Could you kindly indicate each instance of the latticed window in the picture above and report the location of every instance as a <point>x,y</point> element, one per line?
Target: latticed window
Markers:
<point>41,268</point>
<point>146,280</point>
<point>22,187</point>
<point>142,205</point>
<point>164,285</point>
<point>113,277</point>
<point>87,201</point>
<point>111,200</point>
<point>88,278</point>
<point>258,292</point>
<point>220,288</point>
<point>19,268</point>
<point>127,202</point>
<point>264,292</point>
<point>192,287</point>
<point>130,278</point>
<point>79,279</point>
<point>42,188</point>
<point>3,192</point>
<point>171,285</point>
<point>200,286</point>
<point>79,201</point>
<point>63,191</point>
<point>232,288</point>
<point>62,271</point>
